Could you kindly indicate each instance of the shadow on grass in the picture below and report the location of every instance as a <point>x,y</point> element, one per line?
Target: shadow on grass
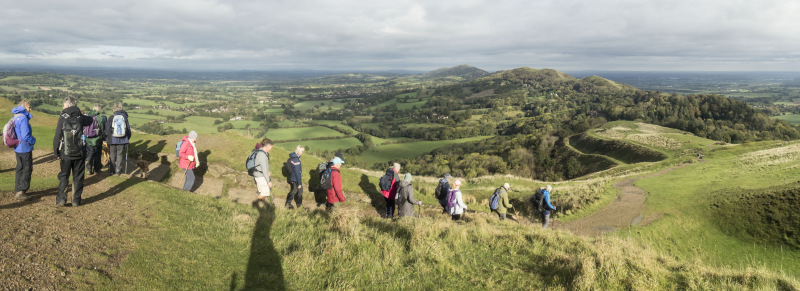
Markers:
<point>116,189</point>
<point>389,227</point>
<point>375,196</point>
<point>264,269</point>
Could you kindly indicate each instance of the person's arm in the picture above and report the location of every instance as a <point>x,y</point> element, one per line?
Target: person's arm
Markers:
<point>128,130</point>
<point>411,196</point>
<point>57,137</point>
<point>336,179</point>
<point>86,120</point>
<point>547,202</point>
<point>504,198</point>
<point>460,200</point>
<point>297,172</point>
<point>25,133</point>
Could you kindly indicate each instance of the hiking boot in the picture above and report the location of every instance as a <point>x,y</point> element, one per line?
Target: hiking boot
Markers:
<point>21,195</point>
<point>289,206</point>
<point>61,203</point>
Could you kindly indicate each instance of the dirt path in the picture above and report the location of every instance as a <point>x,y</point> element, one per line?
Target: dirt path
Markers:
<point>625,211</point>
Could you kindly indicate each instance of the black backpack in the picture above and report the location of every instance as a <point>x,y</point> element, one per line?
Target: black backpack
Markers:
<point>324,169</point>
<point>538,200</point>
<point>441,191</point>
<point>289,166</point>
<point>385,183</point>
<point>72,137</point>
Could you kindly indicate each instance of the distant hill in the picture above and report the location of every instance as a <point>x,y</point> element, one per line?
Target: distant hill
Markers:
<point>532,75</point>
<point>463,72</point>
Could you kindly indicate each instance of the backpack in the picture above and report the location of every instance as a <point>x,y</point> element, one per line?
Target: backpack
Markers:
<point>441,192</point>
<point>399,198</point>
<point>494,200</point>
<point>10,133</point>
<point>451,199</point>
<point>118,126</point>
<point>538,200</point>
<point>324,169</point>
<point>289,166</point>
<point>92,130</point>
<point>72,137</point>
<point>178,149</point>
<point>250,164</point>
<point>385,183</point>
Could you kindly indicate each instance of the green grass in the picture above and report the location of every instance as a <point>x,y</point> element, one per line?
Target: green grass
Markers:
<point>280,134</point>
<point>685,197</point>
<point>790,118</point>
<point>409,150</point>
<point>323,105</point>
<point>328,144</point>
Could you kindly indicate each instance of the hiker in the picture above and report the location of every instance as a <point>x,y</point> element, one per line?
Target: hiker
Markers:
<point>69,147</point>
<point>261,173</point>
<point>405,197</point>
<point>455,201</point>
<point>547,207</point>
<point>24,149</point>
<point>335,193</point>
<point>188,159</point>
<point>441,191</point>
<point>118,135</point>
<point>295,178</point>
<point>94,140</point>
<point>390,179</point>
<point>503,204</point>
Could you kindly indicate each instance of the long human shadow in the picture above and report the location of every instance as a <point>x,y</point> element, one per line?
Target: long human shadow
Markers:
<point>38,195</point>
<point>264,268</point>
<point>200,172</point>
<point>46,158</point>
<point>375,196</point>
<point>116,189</point>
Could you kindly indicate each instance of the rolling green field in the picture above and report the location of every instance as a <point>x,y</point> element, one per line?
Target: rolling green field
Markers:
<point>791,118</point>
<point>408,150</point>
<point>298,133</point>
<point>328,144</point>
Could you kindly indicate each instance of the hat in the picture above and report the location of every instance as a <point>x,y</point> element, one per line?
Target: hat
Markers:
<point>337,160</point>
<point>407,177</point>
<point>448,176</point>
<point>192,135</point>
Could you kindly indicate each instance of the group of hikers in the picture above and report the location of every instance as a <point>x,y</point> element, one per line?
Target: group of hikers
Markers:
<point>78,145</point>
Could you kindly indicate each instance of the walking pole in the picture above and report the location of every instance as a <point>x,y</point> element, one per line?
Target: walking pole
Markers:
<point>184,176</point>
<point>126,159</point>
<point>419,214</point>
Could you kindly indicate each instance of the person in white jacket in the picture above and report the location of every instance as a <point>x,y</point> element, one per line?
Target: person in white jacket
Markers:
<point>454,195</point>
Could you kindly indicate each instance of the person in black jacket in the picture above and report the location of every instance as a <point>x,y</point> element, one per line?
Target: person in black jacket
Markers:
<point>295,179</point>
<point>69,148</point>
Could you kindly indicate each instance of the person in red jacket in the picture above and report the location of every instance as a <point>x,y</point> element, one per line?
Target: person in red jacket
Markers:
<point>188,159</point>
<point>335,193</point>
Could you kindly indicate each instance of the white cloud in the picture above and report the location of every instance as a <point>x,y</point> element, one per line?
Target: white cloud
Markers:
<point>405,34</point>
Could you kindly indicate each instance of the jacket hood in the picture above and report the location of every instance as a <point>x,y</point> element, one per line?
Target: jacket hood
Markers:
<point>404,183</point>
<point>121,112</point>
<point>294,155</point>
<point>21,110</point>
<point>71,111</point>
<point>185,138</point>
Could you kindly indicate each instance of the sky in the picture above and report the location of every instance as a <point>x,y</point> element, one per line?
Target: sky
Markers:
<point>624,35</point>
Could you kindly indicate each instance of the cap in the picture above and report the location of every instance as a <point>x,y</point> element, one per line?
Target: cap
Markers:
<point>337,160</point>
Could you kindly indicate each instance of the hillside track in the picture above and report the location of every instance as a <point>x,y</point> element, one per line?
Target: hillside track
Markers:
<point>625,211</point>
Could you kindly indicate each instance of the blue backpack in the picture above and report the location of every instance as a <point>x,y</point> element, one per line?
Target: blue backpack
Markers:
<point>494,200</point>
<point>178,149</point>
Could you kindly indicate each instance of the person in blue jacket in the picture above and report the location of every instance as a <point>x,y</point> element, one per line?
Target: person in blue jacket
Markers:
<point>295,179</point>
<point>547,206</point>
<point>117,139</point>
<point>23,150</point>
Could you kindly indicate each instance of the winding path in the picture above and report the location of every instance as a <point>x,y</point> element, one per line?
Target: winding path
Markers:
<point>625,211</point>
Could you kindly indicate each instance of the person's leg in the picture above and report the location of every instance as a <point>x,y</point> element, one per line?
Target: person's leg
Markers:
<point>456,216</point>
<point>292,193</point>
<point>392,208</point>
<point>117,152</point>
<point>298,198</point>
<point>78,171</point>
<point>98,161</point>
<point>189,180</point>
<point>91,152</point>
<point>545,220</point>
<point>66,167</point>
<point>263,187</point>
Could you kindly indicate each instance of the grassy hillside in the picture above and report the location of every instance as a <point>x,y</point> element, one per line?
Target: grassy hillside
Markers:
<point>173,239</point>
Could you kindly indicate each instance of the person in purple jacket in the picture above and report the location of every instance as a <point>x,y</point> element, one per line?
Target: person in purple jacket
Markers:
<point>23,150</point>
